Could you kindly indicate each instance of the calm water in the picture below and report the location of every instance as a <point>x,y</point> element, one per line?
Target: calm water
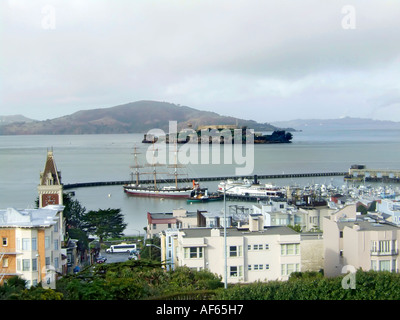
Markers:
<point>84,158</point>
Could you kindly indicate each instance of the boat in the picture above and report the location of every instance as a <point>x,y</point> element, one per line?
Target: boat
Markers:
<point>202,195</point>
<point>248,188</point>
<point>154,190</point>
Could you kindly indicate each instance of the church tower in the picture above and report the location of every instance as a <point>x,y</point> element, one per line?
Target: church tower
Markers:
<point>50,188</point>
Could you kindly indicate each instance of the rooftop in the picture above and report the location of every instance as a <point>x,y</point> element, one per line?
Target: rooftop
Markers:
<point>29,218</point>
<point>238,232</point>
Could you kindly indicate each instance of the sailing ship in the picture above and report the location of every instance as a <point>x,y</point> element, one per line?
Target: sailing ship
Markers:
<point>154,190</point>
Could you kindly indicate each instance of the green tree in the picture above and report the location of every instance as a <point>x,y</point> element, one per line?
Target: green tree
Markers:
<point>73,212</point>
<point>104,223</point>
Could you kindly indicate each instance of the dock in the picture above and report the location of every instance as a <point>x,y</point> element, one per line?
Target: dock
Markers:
<point>362,173</point>
<point>199,179</point>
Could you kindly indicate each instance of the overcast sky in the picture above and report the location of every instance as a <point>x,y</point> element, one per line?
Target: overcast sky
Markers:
<point>253,59</point>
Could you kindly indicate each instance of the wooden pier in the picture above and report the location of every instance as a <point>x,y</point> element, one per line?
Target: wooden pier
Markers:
<point>199,179</point>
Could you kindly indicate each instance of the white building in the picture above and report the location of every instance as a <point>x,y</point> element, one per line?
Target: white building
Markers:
<point>253,253</point>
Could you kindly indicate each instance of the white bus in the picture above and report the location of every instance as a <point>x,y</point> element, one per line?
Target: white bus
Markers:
<point>123,247</point>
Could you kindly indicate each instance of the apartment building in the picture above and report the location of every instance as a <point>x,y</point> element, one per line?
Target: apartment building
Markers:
<point>181,218</point>
<point>280,213</point>
<point>391,208</point>
<point>366,242</point>
<point>31,242</point>
<point>253,252</point>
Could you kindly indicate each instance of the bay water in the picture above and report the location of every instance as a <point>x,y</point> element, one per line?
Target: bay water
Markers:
<point>91,158</point>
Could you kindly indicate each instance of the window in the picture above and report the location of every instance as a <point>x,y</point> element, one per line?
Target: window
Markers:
<point>267,246</point>
<point>5,242</point>
<point>56,263</point>
<point>55,244</point>
<point>193,252</point>
<point>34,244</point>
<point>233,251</point>
<point>5,262</point>
<point>267,267</point>
<point>290,249</point>
<point>47,261</point>
<point>235,271</point>
<point>26,264</point>
<point>25,244</point>
<point>257,246</point>
<point>383,247</point>
<point>384,265</point>
<point>34,264</point>
<point>258,267</point>
<point>47,242</point>
<point>287,269</point>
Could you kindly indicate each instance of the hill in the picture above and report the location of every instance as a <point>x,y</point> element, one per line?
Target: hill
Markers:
<point>135,117</point>
<point>4,120</point>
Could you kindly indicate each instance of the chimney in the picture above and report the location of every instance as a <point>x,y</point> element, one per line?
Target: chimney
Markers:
<point>256,222</point>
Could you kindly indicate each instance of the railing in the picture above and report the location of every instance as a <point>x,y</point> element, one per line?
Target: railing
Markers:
<point>384,253</point>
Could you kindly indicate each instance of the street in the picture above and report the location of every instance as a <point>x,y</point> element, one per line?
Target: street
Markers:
<point>115,257</point>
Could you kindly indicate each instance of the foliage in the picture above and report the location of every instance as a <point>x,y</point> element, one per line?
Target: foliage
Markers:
<point>151,252</point>
<point>11,287</point>
<point>296,227</point>
<point>144,279</point>
<point>370,285</point>
<point>104,223</point>
<point>133,280</point>
<point>73,212</point>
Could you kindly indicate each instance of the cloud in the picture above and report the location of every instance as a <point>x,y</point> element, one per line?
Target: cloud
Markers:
<point>217,55</point>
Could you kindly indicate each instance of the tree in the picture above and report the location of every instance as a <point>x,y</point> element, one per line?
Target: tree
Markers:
<point>104,223</point>
<point>73,212</point>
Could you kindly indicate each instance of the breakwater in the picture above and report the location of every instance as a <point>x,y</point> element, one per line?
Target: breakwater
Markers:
<point>199,179</point>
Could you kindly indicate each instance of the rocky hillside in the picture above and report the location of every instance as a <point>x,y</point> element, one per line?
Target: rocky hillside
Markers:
<point>135,117</point>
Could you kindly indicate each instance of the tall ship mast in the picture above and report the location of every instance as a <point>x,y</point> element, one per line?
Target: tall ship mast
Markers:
<point>168,191</point>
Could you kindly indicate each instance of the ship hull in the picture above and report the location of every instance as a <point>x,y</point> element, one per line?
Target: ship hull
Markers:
<point>176,193</point>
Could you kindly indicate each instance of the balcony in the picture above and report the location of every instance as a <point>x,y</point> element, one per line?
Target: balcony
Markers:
<point>385,253</point>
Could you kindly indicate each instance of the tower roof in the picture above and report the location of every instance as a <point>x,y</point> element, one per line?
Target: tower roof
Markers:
<point>50,171</point>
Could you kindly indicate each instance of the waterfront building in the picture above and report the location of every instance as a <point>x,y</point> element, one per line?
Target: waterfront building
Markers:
<point>31,243</point>
<point>361,241</point>
<point>254,253</point>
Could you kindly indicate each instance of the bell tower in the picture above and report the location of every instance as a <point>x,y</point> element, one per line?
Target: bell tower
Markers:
<point>50,188</point>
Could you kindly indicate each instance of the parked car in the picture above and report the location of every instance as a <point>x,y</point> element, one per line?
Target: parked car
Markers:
<point>133,255</point>
<point>101,259</point>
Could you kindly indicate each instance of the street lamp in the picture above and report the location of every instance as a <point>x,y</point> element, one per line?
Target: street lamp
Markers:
<point>152,245</point>
<point>225,249</point>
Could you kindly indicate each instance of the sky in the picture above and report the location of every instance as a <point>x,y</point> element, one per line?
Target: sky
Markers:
<point>252,59</point>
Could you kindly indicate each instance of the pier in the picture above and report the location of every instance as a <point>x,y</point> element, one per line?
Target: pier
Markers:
<point>199,179</point>
<point>362,173</point>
